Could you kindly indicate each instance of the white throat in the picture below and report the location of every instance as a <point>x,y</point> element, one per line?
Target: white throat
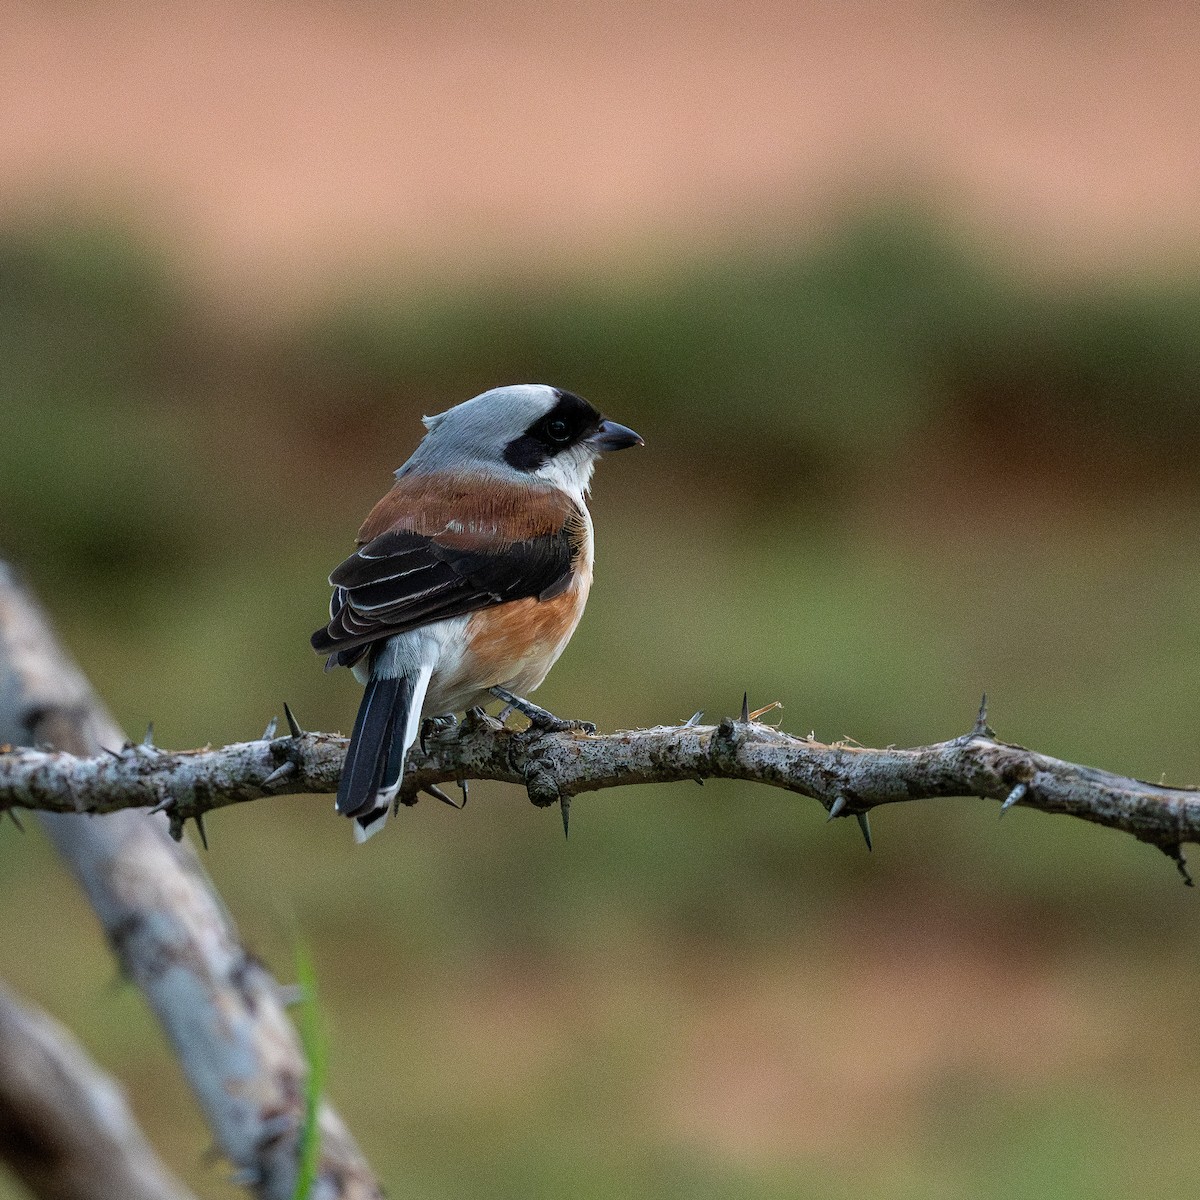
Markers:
<point>571,470</point>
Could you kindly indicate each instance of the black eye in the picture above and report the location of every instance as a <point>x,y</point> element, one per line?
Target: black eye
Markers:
<point>558,431</point>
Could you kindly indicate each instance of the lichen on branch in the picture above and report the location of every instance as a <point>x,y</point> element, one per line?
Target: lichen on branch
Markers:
<point>847,779</point>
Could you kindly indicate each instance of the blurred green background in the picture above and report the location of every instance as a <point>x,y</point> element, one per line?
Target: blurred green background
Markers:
<point>890,463</point>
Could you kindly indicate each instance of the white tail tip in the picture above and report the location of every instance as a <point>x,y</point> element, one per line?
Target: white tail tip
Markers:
<point>377,822</point>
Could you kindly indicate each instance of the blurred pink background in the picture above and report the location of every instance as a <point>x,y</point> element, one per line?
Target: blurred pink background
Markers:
<point>287,144</point>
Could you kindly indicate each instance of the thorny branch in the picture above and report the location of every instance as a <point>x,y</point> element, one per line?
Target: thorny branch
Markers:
<point>848,780</point>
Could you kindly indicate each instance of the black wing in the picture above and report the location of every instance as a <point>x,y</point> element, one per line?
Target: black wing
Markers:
<point>403,580</point>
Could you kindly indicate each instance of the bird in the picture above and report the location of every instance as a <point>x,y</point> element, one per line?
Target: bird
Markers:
<point>469,579</point>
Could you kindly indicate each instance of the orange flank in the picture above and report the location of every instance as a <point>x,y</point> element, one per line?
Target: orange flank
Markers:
<point>516,644</point>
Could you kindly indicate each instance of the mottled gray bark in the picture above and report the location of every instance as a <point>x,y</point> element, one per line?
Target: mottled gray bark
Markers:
<point>65,1129</point>
<point>221,1010</point>
<point>849,780</point>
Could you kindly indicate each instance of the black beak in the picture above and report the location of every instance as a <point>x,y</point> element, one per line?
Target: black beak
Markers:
<point>611,436</point>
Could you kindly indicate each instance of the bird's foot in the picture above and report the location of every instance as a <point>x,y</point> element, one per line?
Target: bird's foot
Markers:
<point>547,722</point>
<point>476,718</point>
<point>541,719</point>
<point>435,725</point>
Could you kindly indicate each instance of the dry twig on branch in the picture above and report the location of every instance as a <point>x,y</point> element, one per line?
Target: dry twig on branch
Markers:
<point>848,780</point>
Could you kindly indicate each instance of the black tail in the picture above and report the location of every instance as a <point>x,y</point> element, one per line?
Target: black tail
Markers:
<point>375,759</point>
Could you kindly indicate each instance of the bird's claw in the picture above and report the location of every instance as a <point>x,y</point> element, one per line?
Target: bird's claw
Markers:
<point>477,718</point>
<point>541,720</point>
<point>547,722</point>
<point>435,725</point>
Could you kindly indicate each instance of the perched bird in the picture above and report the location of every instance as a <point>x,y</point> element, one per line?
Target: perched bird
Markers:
<point>470,576</point>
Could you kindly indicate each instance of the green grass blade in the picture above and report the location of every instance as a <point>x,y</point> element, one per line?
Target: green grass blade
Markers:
<point>312,1041</point>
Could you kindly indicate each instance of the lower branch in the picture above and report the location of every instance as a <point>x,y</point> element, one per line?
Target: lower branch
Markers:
<point>65,1129</point>
<point>848,780</point>
<point>221,1010</point>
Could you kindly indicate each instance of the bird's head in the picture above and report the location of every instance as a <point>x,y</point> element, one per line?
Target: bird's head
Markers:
<point>527,432</point>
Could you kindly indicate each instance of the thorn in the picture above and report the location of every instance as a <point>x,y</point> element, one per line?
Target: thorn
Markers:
<point>280,773</point>
<point>201,830</point>
<point>436,792</point>
<point>564,803</point>
<point>864,823</point>
<point>462,783</point>
<point>115,753</point>
<point>694,719</point>
<point>293,724</point>
<point>1014,797</point>
<point>269,732</point>
<point>1175,854</point>
<point>981,727</point>
<point>162,806</point>
<point>836,808</point>
<point>506,712</point>
<point>745,708</point>
<point>12,816</point>
<point>148,740</point>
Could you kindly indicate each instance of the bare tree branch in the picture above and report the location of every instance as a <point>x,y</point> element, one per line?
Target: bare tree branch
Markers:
<point>220,1008</point>
<point>65,1129</point>
<point>848,780</point>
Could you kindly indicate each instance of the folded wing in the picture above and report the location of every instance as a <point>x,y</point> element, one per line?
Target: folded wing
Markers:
<point>446,551</point>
